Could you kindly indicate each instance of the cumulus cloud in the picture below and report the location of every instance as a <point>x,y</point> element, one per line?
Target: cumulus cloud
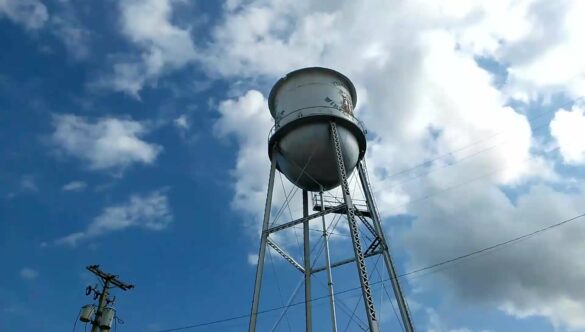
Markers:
<point>32,14</point>
<point>150,212</point>
<point>568,129</point>
<point>75,186</point>
<point>248,120</point>
<point>107,143</point>
<point>28,274</point>
<point>163,46</point>
<point>416,68</point>
<point>518,278</point>
<point>421,86</point>
<point>459,102</point>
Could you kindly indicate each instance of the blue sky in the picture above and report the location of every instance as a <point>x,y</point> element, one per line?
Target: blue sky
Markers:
<point>133,135</point>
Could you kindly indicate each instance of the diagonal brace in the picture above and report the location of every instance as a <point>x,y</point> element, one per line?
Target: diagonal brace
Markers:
<point>366,223</point>
<point>286,256</point>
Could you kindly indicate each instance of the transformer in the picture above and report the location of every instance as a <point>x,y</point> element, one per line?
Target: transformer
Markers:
<point>106,318</point>
<point>86,314</point>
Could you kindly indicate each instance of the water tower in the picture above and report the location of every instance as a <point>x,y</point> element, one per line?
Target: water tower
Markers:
<point>317,142</point>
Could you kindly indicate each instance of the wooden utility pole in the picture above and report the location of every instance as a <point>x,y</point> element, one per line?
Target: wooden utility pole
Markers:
<point>108,280</point>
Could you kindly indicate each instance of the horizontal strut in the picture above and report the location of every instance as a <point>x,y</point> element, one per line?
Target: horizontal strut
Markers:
<point>345,261</point>
<point>302,220</point>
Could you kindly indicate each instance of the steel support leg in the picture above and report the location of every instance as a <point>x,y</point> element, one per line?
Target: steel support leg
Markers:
<point>328,268</point>
<point>307,261</point>
<point>355,239</point>
<point>404,313</point>
<point>262,253</point>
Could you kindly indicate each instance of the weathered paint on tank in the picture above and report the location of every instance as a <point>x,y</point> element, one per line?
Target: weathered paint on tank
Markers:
<point>302,104</point>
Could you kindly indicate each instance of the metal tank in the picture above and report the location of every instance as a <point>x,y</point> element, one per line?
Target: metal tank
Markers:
<point>302,104</point>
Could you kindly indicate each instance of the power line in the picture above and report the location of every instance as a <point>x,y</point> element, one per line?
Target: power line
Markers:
<point>485,139</point>
<point>278,286</point>
<point>485,175</point>
<point>412,272</point>
<point>332,226</point>
<point>359,300</point>
<point>492,247</point>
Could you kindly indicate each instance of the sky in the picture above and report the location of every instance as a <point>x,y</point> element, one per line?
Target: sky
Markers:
<point>133,134</point>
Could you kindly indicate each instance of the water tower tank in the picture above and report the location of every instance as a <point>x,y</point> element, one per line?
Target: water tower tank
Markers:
<point>302,104</point>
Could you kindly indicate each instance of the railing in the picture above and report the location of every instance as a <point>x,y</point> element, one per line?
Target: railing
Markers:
<point>328,202</point>
<point>360,124</point>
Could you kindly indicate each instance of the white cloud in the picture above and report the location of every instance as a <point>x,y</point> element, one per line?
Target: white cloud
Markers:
<point>422,94</point>
<point>548,58</point>
<point>182,122</point>
<point>150,212</point>
<point>28,273</point>
<point>253,259</point>
<point>30,13</point>
<point>107,143</point>
<point>163,46</point>
<point>248,120</point>
<point>75,186</point>
<point>568,129</point>
<point>516,278</point>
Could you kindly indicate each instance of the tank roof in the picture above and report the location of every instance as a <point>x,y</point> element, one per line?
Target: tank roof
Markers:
<point>281,81</point>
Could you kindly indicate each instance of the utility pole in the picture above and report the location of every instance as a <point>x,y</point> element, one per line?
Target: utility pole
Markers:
<point>108,280</point>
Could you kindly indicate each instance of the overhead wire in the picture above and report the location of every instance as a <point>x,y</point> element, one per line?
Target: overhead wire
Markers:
<point>75,322</point>
<point>352,179</point>
<point>493,247</point>
<point>403,275</point>
<point>389,298</point>
<point>406,170</point>
<point>296,188</point>
<point>318,255</point>
<point>361,324</point>
<point>279,214</point>
<point>450,153</point>
<point>278,285</point>
<point>483,176</point>
<point>456,162</point>
<point>369,185</point>
<point>360,299</point>
<point>290,213</point>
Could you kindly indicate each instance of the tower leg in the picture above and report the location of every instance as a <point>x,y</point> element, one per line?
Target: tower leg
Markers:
<point>355,239</point>
<point>328,268</point>
<point>404,313</point>
<point>262,253</point>
<point>307,260</point>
